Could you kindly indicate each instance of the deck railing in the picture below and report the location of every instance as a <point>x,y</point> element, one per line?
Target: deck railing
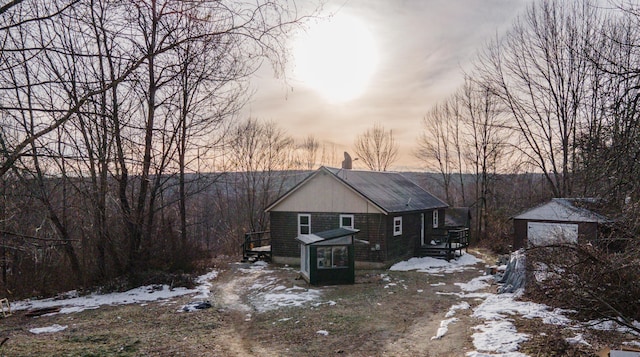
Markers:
<point>459,235</point>
<point>253,242</point>
<point>446,242</point>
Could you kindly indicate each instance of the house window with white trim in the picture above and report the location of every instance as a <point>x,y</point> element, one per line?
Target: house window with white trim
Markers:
<point>346,221</point>
<point>304,224</point>
<point>397,226</point>
<point>435,218</point>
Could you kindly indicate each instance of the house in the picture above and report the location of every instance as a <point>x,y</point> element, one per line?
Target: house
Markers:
<point>561,220</point>
<point>394,216</point>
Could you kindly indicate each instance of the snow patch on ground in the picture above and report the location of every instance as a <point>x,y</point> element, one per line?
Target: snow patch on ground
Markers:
<point>497,336</point>
<point>205,284</point>
<point>461,306</point>
<point>93,301</point>
<point>444,328</point>
<point>579,338</point>
<point>497,307</point>
<point>632,343</point>
<point>288,297</point>
<point>475,284</point>
<point>268,293</point>
<point>435,266</point>
<point>48,329</point>
<point>265,294</point>
<point>608,325</point>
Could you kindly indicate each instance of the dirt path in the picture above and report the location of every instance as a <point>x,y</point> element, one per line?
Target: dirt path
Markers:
<point>392,316</point>
<point>229,294</point>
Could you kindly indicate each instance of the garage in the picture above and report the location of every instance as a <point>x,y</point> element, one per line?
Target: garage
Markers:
<point>560,220</point>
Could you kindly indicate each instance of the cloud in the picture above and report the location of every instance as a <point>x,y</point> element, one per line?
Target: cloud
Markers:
<point>424,46</point>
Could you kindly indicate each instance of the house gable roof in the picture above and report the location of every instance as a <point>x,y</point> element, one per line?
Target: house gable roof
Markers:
<point>561,210</point>
<point>389,191</point>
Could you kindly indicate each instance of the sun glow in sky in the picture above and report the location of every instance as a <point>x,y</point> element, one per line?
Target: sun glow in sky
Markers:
<point>336,57</point>
<point>376,61</point>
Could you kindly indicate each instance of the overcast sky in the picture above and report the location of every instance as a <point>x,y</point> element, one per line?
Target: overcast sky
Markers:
<point>423,45</point>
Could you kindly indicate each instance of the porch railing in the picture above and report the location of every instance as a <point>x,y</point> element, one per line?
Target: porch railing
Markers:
<point>256,245</point>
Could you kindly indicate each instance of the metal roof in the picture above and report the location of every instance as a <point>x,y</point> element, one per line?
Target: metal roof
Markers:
<point>561,210</point>
<point>391,191</point>
<point>332,235</point>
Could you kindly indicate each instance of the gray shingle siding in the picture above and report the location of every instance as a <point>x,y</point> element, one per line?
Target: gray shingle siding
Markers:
<point>377,229</point>
<point>404,245</point>
<point>284,229</point>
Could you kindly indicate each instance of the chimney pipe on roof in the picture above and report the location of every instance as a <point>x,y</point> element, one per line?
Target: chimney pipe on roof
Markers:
<point>347,162</point>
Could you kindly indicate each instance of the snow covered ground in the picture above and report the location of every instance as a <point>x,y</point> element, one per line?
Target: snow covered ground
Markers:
<point>497,335</point>
<point>437,266</point>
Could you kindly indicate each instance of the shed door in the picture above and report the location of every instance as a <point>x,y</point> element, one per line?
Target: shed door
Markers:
<point>304,259</point>
<point>551,233</point>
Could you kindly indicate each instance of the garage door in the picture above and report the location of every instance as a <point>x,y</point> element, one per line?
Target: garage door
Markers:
<point>551,233</point>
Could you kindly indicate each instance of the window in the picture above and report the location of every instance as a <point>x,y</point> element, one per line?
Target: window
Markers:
<point>333,257</point>
<point>346,221</point>
<point>435,218</point>
<point>397,226</point>
<point>304,224</point>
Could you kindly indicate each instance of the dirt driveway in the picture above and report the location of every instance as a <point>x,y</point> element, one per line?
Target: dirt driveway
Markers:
<point>384,314</point>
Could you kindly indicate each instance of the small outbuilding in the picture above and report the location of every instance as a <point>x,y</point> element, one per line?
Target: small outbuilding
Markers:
<point>328,257</point>
<point>561,220</point>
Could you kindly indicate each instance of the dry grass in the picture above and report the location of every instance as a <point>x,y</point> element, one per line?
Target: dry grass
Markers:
<point>369,318</point>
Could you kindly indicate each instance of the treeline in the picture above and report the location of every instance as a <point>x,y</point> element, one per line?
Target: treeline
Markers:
<point>557,94</point>
<point>108,109</point>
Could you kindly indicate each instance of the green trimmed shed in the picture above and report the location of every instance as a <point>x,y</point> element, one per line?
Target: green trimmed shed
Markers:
<point>328,257</point>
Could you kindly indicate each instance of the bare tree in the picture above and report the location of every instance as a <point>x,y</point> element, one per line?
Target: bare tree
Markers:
<point>608,143</point>
<point>437,148</point>
<point>309,147</point>
<point>487,138</point>
<point>466,136</point>
<point>377,148</point>
<point>329,155</point>
<point>539,72</point>
<point>110,106</point>
<point>259,153</point>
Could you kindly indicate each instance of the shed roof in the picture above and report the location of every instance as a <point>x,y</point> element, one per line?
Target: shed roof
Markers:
<point>333,235</point>
<point>562,210</point>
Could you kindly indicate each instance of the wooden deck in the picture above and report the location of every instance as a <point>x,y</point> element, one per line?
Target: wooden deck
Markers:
<point>447,246</point>
<point>256,246</point>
